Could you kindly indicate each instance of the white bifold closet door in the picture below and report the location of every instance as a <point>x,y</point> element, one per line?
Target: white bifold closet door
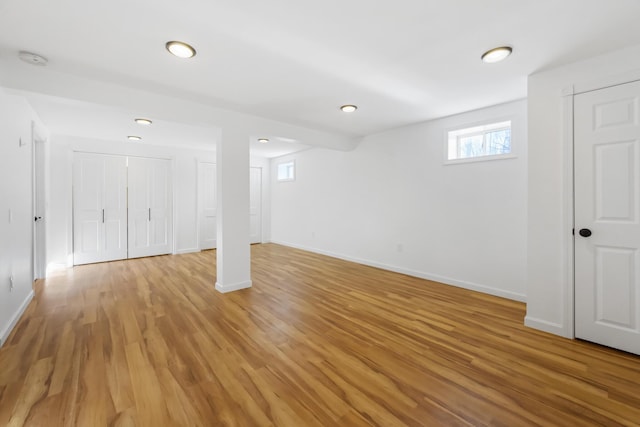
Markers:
<point>150,213</point>
<point>99,208</point>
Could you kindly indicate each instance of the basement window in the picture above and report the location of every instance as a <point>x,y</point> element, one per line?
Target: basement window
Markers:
<point>481,142</point>
<point>286,171</point>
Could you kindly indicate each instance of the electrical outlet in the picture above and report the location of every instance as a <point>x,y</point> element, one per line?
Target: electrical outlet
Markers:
<point>11,283</point>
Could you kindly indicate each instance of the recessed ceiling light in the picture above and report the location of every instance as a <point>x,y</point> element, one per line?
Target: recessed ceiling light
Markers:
<point>496,54</point>
<point>134,138</point>
<point>145,122</point>
<point>32,58</point>
<point>349,108</point>
<point>180,49</point>
<point>263,140</point>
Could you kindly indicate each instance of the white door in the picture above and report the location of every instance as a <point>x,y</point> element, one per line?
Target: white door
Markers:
<point>607,216</point>
<point>208,205</point>
<point>40,232</point>
<point>150,212</point>
<point>255,205</point>
<point>99,208</point>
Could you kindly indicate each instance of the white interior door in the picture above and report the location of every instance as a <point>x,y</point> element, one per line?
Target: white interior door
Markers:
<point>607,216</point>
<point>150,212</point>
<point>40,232</point>
<point>99,208</point>
<point>208,205</point>
<point>139,209</point>
<point>255,205</point>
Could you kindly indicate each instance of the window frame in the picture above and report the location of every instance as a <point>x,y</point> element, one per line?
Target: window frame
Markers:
<point>288,179</point>
<point>478,124</point>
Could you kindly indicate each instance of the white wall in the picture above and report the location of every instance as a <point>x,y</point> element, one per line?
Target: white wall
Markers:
<point>392,203</point>
<point>185,180</point>
<point>549,251</point>
<point>16,209</point>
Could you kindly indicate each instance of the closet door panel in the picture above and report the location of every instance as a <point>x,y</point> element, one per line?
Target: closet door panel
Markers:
<point>160,205</point>
<point>99,208</point>
<point>88,174</point>
<point>115,208</point>
<point>150,224</point>
<point>138,207</point>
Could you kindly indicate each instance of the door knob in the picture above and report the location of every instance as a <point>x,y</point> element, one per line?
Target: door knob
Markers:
<point>585,232</point>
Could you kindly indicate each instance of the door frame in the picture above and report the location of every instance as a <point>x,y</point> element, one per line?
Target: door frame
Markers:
<point>569,93</point>
<point>38,198</point>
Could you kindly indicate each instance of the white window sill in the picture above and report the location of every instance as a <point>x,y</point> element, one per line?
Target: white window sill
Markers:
<point>479,159</point>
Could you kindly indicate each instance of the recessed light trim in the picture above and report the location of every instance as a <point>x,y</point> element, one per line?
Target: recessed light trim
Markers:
<point>142,121</point>
<point>134,138</point>
<point>263,140</point>
<point>33,58</point>
<point>180,49</point>
<point>496,54</point>
<point>349,108</point>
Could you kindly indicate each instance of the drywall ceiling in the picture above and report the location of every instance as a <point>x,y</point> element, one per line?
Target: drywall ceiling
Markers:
<point>288,65</point>
<point>65,116</point>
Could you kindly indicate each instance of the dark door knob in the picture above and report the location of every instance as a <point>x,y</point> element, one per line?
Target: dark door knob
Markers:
<point>585,232</point>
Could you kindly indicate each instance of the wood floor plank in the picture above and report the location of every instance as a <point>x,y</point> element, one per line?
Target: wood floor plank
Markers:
<point>316,341</point>
<point>63,359</point>
<point>33,390</point>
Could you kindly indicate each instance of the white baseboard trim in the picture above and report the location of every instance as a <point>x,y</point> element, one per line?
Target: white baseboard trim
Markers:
<point>54,267</point>
<point>187,251</point>
<point>4,335</point>
<point>233,287</point>
<point>422,275</point>
<point>546,326</point>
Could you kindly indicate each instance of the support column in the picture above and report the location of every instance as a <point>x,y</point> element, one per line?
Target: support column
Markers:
<point>233,251</point>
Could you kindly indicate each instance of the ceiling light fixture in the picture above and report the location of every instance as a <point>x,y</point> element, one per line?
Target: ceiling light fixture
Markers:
<point>180,49</point>
<point>263,140</point>
<point>349,108</point>
<point>142,121</point>
<point>496,54</point>
<point>134,138</point>
<point>32,58</point>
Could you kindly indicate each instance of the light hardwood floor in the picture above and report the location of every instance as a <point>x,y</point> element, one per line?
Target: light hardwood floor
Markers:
<point>316,342</point>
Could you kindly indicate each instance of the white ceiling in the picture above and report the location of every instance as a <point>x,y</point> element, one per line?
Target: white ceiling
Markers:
<point>283,67</point>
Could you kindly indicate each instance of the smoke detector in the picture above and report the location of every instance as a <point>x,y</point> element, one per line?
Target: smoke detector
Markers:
<point>33,58</point>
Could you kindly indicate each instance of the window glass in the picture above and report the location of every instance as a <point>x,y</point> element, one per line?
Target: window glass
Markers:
<point>286,171</point>
<point>493,139</point>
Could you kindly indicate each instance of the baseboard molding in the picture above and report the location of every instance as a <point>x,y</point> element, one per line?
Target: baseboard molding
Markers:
<point>4,335</point>
<point>54,267</point>
<point>546,326</point>
<point>420,274</point>
<point>187,251</point>
<point>233,287</point>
